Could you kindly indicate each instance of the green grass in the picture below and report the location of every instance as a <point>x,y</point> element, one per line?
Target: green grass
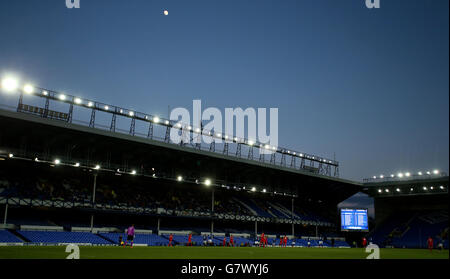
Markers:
<point>96,252</point>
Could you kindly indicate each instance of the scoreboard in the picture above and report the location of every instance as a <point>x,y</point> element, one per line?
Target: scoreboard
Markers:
<point>354,220</point>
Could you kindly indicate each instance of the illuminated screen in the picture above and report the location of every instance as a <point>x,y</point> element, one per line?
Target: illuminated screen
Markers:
<point>354,219</point>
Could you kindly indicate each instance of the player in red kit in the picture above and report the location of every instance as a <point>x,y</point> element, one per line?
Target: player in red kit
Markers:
<point>285,241</point>
<point>262,240</point>
<point>224,241</point>
<point>281,241</point>
<point>190,240</point>
<point>231,240</point>
<point>364,242</point>
<point>170,239</point>
<point>430,243</point>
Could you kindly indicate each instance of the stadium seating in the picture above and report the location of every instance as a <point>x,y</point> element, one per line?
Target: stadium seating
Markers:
<point>62,237</point>
<point>412,229</point>
<point>8,237</point>
<point>149,239</point>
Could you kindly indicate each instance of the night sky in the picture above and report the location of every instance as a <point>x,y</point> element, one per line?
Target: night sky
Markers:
<point>370,86</point>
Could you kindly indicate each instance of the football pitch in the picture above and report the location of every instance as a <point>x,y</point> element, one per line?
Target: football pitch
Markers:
<point>99,252</point>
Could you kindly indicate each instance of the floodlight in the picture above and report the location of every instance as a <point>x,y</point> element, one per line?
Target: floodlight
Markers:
<point>379,190</point>
<point>90,104</point>
<point>412,189</point>
<point>250,142</point>
<point>387,190</point>
<point>97,167</point>
<point>77,101</point>
<point>374,177</point>
<point>436,172</point>
<point>180,178</point>
<point>29,89</point>
<point>57,161</point>
<point>167,122</point>
<point>381,176</point>
<point>106,107</point>
<point>36,159</point>
<point>428,172</point>
<point>400,175</point>
<point>253,189</point>
<point>10,155</point>
<point>425,188</point>
<point>62,97</point>
<point>166,12</point>
<point>45,92</point>
<point>131,113</point>
<point>156,119</point>
<point>392,175</point>
<point>133,172</point>
<point>9,84</point>
<point>77,165</point>
<point>441,187</point>
<point>419,173</point>
<point>398,189</point>
<point>264,190</point>
<point>407,174</point>
<point>431,187</point>
<point>207,182</point>
<point>197,130</point>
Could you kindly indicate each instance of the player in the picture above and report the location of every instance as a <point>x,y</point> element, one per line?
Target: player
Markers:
<point>285,241</point>
<point>231,240</point>
<point>430,244</point>
<point>210,241</point>
<point>364,242</point>
<point>281,242</point>
<point>130,236</point>
<point>205,240</point>
<point>170,240</point>
<point>121,240</point>
<point>262,240</point>
<point>266,241</point>
<point>190,240</point>
<point>320,242</point>
<point>293,242</point>
<point>224,243</point>
<point>309,242</point>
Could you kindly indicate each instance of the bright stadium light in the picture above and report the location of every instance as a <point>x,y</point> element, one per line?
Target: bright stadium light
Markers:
<point>436,172</point>
<point>166,12</point>
<point>379,190</point>
<point>57,161</point>
<point>207,182</point>
<point>428,172</point>
<point>407,174</point>
<point>36,159</point>
<point>392,175</point>
<point>374,177</point>
<point>250,142</point>
<point>197,130</point>
<point>90,104</point>
<point>412,189</point>
<point>77,165</point>
<point>264,190</point>
<point>133,172</point>
<point>253,189</point>
<point>381,176</point>
<point>387,190</point>
<point>131,113</point>
<point>62,97</point>
<point>167,122</point>
<point>400,175</point>
<point>431,187</point>
<point>441,187</point>
<point>180,178</point>
<point>10,155</point>
<point>419,173</point>
<point>97,167</point>
<point>9,84</point>
<point>45,92</point>
<point>398,189</point>
<point>425,188</point>
<point>156,119</point>
<point>77,101</point>
<point>28,88</point>
<point>106,107</point>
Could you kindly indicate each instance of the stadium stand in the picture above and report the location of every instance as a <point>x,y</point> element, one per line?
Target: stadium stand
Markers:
<point>62,237</point>
<point>8,237</point>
